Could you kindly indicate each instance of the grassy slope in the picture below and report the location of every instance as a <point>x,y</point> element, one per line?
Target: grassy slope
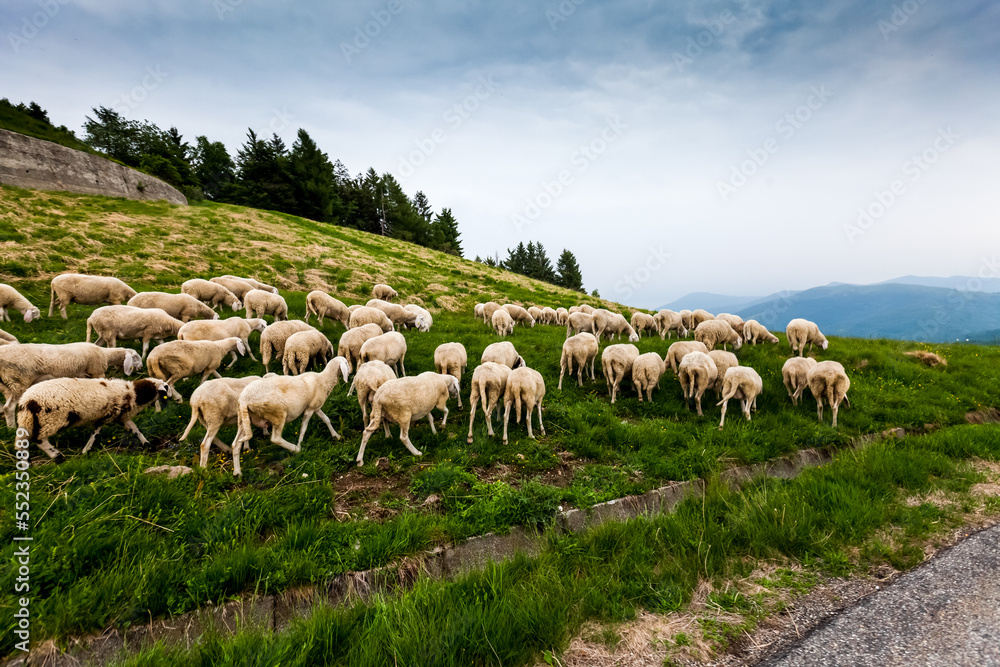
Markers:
<point>115,546</point>
<point>19,121</point>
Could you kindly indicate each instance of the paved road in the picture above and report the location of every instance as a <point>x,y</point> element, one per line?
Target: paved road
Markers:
<point>946,612</point>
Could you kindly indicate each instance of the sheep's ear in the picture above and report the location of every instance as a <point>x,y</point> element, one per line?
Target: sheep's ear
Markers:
<point>240,347</point>
<point>128,364</point>
<point>237,305</point>
<point>29,315</point>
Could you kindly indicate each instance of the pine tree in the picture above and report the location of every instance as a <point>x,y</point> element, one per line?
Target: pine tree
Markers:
<point>213,168</point>
<point>262,174</point>
<point>423,206</point>
<point>569,276</point>
<point>312,179</point>
<point>444,231</point>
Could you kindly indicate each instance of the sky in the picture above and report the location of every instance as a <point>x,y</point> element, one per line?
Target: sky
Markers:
<point>740,147</point>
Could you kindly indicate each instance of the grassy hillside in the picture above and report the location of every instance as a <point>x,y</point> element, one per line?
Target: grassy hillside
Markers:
<point>16,120</point>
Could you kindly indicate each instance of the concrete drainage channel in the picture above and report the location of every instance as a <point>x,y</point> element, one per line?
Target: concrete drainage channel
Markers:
<point>276,612</point>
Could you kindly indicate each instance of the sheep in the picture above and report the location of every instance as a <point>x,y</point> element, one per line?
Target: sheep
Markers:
<point>370,376</point>
<point>323,305</point>
<point>723,362</point>
<point>519,314</point>
<point>180,359</point>
<point>579,322</point>
<point>368,315</point>
<point>489,381</point>
<point>754,331</point>
<point>399,315</point>
<point>7,339</point>
<point>451,359</point>
<point>647,369</point>
<point>525,387</point>
<point>686,320</point>
<point>183,307</point>
<point>254,283</point>
<point>215,404</point>
<point>211,294</point>
<point>384,292</point>
<point>713,332</point>
<point>735,321</point>
<point>794,375</point>
<point>548,316</point>
<point>406,400</point>
<point>11,298</point>
<point>489,308</point>
<point>578,350</point>
<point>477,311</point>
<point>929,358</point>
<point>677,350</point>
<point>237,286</point>
<point>275,336</point>
<point>124,359</point>
<point>228,328</point>
<point>352,340</point>
<point>573,309</point>
<point>503,323</point>
<point>602,317</point>
<point>277,399</point>
<point>641,321</point>
<point>800,332</point>
<point>584,308</point>
<point>698,316</point>
<point>562,315</point>
<point>744,383</point>
<point>616,362</point>
<point>50,406</point>
<point>86,290</point>
<point>697,372</point>
<point>24,364</point>
<point>130,323</point>
<point>503,353</point>
<point>302,348</point>
<point>536,314</point>
<point>389,348</point>
<point>667,321</point>
<point>617,325</point>
<point>828,380</point>
<point>426,314</point>
<point>260,303</point>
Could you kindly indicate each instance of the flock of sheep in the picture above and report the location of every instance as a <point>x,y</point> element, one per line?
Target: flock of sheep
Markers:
<point>50,387</point>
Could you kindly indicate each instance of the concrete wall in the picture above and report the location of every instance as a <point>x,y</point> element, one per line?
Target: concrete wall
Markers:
<point>27,162</point>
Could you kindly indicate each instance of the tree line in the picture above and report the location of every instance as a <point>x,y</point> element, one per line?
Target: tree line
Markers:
<point>531,260</point>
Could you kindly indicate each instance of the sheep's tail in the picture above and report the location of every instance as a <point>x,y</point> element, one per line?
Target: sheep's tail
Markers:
<point>194,420</point>
<point>243,430</point>
<point>376,416</point>
<point>353,382</point>
<point>831,393</point>
<point>153,367</point>
<point>517,405</point>
<point>89,326</point>
<point>728,394</point>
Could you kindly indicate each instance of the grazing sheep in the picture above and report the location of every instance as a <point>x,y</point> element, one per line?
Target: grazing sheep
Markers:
<point>697,373</point>
<point>667,321</point>
<point>489,308</point>
<point>800,332</point>
<point>237,286</point>
<point>477,311</point>
<point>11,298</point>
<point>6,338</point>
<point>451,359</point>
<point>370,376</point>
<point>677,350</point>
<point>503,323</point>
<point>406,400</point>
<point>489,381</point>
<point>754,331</point>
<point>525,387</point>
<point>423,312</point>
<point>124,359</point>
<point>130,323</point>
<point>686,320</point>
<point>602,317</point>
<point>698,316</point>
<point>584,308</point>
<point>368,315</point>
<point>384,292</point>
<point>260,303</point>
<point>502,353</point>
<point>303,348</point>
<point>238,327</point>
<point>647,369</point>
<point>86,290</point>
<point>573,309</point>
<point>579,322</point>
<point>254,283</point>
<point>352,340</point>
<point>323,305</point>
<point>828,381</point>
<point>519,314</point>
<point>549,316</point>
<point>616,362</point>
<point>211,294</point>
<point>795,376</point>
<point>735,321</point>
<point>216,404</point>
<point>180,359</point>
<point>50,406</point>
<point>928,358</point>
<point>642,322</point>
<point>277,399</point>
<point>274,337</point>
<point>723,362</point>
<point>399,315</point>
<point>183,307</point>
<point>536,314</point>
<point>578,350</point>
<point>617,325</point>
<point>713,332</point>
<point>562,316</point>
<point>744,383</point>
<point>389,348</point>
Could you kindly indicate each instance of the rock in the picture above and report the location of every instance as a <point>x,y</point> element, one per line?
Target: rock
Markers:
<point>382,463</point>
<point>172,472</point>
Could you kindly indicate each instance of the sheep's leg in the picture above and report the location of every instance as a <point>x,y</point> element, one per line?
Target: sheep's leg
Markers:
<point>473,400</point>
<point>531,409</point>
<point>145,346</point>
<point>203,448</point>
<point>305,424</point>
<point>819,408</point>
<point>130,425</point>
<point>488,411</point>
<point>833,408</point>
<point>90,442</point>
<point>594,358</point>
<point>233,354</point>
<point>364,411</point>
<point>8,411</point>
<point>278,425</point>
<point>562,369</point>
<point>246,344</point>
<point>204,376</point>
<point>326,420</point>
<point>580,370</point>
<point>541,426</point>
<point>444,408</point>
<point>697,401</point>
<point>746,408</point>
<point>506,418</point>
<point>459,393</point>
<point>430,420</point>
<point>725,405</point>
<point>404,435</point>
<point>223,446</point>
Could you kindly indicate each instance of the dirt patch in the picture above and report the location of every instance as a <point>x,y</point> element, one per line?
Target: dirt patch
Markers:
<point>990,415</point>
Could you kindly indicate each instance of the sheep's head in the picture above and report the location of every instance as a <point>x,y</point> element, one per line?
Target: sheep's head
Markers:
<point>240,347</point>
<point>738,343</point>
<point>133,362</point>
<point>452,383</point>
<point>518,362</point>
<point>215,315</point>
<point>32,314</point>
<point>633,337</point>
<point>237,305</point>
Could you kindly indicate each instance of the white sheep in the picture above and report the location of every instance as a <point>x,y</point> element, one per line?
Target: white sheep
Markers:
<point>351,341</point>
<point>616,362</point>
<point>211,294</point>
<point>407,400</point>
<point>828,381</point>
<point>369,315</point>
<point>525,387</point>
<point>641,321</point>
<point>795,376</point>
<point>399,315</point>
<point>477,311</point>
<point>237,286</point>
<point>801,332</point>
<point>452,359</point>
<point>503,323</point>
<point>238,327</point>
<point>370,376</point>
<point>647,369</point>
<point>503,353</point>
<point>488,383</point>
<point>180,359</point>
<point>685,315</point>
<point>585,308</point>
<point>124,359</point>
<point>7,339</point>
<point>743,383</point>
<point>11,298</point>
<point>735,321</point>
<point>578,350</point>
<point>616,325</point>
<point>579,322</point>
<point>389,348</point>
<point>303,348</point>
<point>183,307</point>
<point>489,308</point>
<point>536,314</point>
<point>277,399</point>
<point>384,292</point>
<point>602,317</point>
<point>667,321</point>
<point>114,323</point>
<point>254,283</point>
<point>428,319</point>
<point>274,337</point>
<point>698,316</point>
<point>697,373</point>
<point>754,331</point>
<point>561,316</point>
<point>260,303</point>
<point>50,406</point>
<point>322,305</point>
<point>216,404</point>
<point>723,362</point>
<point>86,290</point>
<point>519,314</point>
<point>714,332</point>
<point>677,350</point>
<point>549,316</point>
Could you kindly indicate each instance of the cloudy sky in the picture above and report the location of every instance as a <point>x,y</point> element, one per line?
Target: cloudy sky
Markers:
<point>732,146</point>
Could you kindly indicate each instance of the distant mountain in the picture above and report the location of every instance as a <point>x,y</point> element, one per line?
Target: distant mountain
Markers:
<point>962,283</point>
<point>715,303</point>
